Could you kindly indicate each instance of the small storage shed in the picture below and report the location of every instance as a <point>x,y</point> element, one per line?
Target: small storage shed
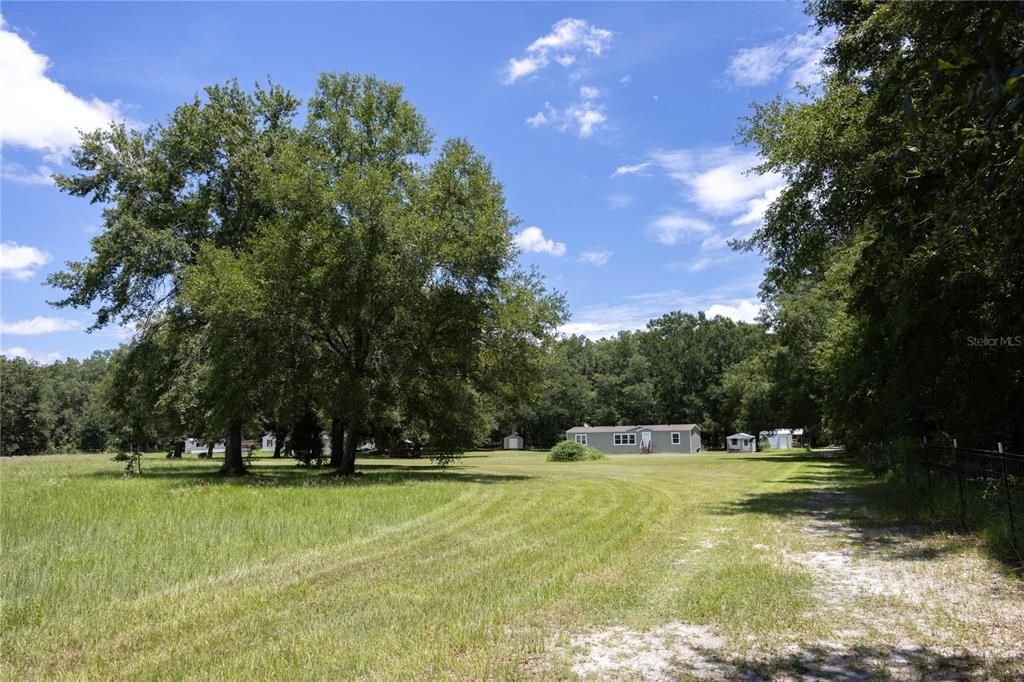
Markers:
<point>513,441</point>
<point>741,442</point>
<point>779,439</point>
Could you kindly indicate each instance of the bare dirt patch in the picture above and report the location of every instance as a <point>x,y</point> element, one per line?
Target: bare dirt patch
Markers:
<point>661,653</point>
<point>913,585</point>
<point>902,602</point>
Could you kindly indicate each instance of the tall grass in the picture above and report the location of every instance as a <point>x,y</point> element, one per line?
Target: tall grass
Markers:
<point>406,572</point>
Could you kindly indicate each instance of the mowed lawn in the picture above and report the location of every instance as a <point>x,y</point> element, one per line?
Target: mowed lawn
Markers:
<point>499,566</point>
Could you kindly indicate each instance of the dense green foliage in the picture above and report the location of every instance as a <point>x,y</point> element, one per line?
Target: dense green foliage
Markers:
<point>571,451</point>
<point>60,407</point>
<point>340,265</point>
<point>373,277</point>
<point>682,369</point>
<point>896,255</point>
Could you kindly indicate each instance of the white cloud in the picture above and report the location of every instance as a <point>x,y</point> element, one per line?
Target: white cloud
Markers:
<point>589,92</point>
<point>517,68</point>
<point>796,56</point>
<point>569,40</point>
<point>633,312</point>
<point>603,328</point>
<point>588,118</point>
<point>539,119</point>
<point>757,206</point>
<point>121,333</point>
<point>37,112</point>
<point>583,118</point>
<point>597,258</point>
<point>674,227</point>
<point>701,263</point>
<point>619,200</point>
<point>743,311</point>
<point>21,262</point>
<point>15,172</point>
<point>568,35</point>
<point>38,325</point>
<point>625,79</point>
<point>721,184</point>
<point>631,170</point>
<point>717,179</point>
<point>532,240</point>
<point>22,352</point>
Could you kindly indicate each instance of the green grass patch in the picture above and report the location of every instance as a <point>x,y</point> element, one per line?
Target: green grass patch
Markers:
<point>407,571</point>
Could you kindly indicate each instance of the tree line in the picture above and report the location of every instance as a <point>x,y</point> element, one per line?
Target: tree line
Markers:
<point>895,278</point>
<point>58,407</point>
<point>343,268</point>
<point>682,368</point>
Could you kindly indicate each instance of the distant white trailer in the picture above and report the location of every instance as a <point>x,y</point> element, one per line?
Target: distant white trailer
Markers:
<point>513,441</point>
<point>196,445</point>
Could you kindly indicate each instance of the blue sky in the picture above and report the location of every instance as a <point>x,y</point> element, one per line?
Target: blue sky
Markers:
<point>611,126</point>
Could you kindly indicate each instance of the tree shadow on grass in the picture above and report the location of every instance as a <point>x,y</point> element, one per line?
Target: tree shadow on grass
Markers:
<point>783,457</point>
<point>861,663</point>
<point>847,502</point>
<point>284,475</point>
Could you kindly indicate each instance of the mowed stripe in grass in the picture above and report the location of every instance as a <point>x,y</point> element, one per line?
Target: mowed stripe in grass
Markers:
<point>408,572</point>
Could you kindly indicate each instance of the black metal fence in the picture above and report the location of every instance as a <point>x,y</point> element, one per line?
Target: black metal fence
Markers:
<point>998,474</point>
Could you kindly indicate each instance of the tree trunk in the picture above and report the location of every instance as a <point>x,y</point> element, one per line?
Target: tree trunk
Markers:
<point>179,447</point>
<point>279,437</point>
<point>347,464</point>
<point>233,462</point>
<point>337,441</point>
<point>209,450</point>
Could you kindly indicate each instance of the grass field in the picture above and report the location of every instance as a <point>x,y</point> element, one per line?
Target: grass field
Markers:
<point>501,566</point>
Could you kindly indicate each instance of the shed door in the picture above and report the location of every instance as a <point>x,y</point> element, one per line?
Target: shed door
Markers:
<point>645,441</point>
<point>513,443</point>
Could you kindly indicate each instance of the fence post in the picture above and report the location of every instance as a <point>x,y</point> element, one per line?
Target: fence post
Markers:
<point>960,485</point>
<point>1009,498</point>
<point>926,463</point>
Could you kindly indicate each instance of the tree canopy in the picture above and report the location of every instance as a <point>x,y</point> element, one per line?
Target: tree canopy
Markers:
<point>269,266</point>
<point>896,259</point>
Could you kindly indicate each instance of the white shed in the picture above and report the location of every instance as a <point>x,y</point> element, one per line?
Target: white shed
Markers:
<point>741,442</point>
<point>779,439</point>
<point>513,441</point>
<point>198,445</point>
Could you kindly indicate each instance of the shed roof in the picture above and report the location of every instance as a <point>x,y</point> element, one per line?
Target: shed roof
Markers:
<point>620,429</point>
<point>740,435</point>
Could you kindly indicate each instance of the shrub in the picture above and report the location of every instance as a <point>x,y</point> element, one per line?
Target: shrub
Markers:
<point>571,451</point>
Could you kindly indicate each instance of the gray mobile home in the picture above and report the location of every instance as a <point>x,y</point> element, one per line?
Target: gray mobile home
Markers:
<point>645,438</point>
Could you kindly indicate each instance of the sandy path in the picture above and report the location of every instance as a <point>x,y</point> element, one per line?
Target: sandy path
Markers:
<point>899,602</point>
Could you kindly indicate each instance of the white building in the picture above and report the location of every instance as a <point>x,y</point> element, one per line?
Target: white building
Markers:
<point>513,441</point>
<point>779,439</point>
<point>741,442</point>
<point>198,445</point>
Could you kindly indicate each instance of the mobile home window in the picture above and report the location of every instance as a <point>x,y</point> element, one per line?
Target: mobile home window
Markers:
<point>624,439</point>
<point>675,438</point>
<point>581,438</point>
